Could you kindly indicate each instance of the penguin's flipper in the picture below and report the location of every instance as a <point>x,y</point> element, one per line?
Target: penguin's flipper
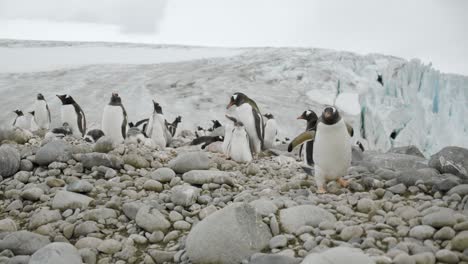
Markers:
<point>48,112</point>
<point>305,136</point>
<point>141,122</point>
<point>124,123</point>
<point>350,129</point>
<point>259,126</point>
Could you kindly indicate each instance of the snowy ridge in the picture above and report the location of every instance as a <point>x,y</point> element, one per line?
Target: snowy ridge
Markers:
<point>283,81</point>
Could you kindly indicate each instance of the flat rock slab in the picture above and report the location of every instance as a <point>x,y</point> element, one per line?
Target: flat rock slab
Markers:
<point>452,160</point>
<point>339,255</point>
<point>69,200</point>
<point>397,161</point>
<point>90,160</point>
<point>190,161</point>
<point>23,242</point>
<point>55,150</point>
<point>293,218</point>
<point>56,253</point>
<point>200,177</point>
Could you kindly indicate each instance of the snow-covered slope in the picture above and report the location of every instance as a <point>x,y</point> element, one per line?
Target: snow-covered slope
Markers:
<point>196,83</point>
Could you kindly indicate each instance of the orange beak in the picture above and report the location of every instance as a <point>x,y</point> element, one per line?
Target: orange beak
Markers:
<point>300,117</point>
<point>230,104</point>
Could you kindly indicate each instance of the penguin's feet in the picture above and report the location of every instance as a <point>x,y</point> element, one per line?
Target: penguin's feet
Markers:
<point>321,190</point>
<point>343,183</point>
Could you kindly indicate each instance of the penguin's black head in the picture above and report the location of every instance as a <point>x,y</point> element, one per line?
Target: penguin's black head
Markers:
<point>178,120</point>
<point>40,96</point>
<point>216,124</point>
<point>66,99</point>
<point>131,124</point>
<point>157,107</point>
<point>18,112</point>
<point>237,99</point>
<point>308,115</point>
<point>115,99</point>
<point>269,116</point>
<point>32,113</point>
<point>330,115</point>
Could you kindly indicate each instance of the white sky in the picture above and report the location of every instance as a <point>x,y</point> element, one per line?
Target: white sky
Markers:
<point>432,30</point>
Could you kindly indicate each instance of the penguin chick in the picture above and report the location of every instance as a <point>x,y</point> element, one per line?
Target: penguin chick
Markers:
<point>20,120</point>
<point>206,140</point>
<point>239,148</point>
<point>93,135</point>
<point>271,131</point>
<point>72,114</point>
<point>60,132</point>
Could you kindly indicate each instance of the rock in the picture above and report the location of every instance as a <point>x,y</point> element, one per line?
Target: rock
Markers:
<point>26,165</point>
<point>104,145</point>
<point>90,160</point>
<point>9,161</point>
<point>131,209</point>
<point>55,150</point>
<point>460,241</point>
<point>19,260</point>
<point>23,242</point>
<point>88,242</point>
<point>396,161</point>
<point>152,185</point>
<point>150,219</point>
<point>452,160</point>
<point>278,242</point>
<point>43,217</point>
<point>163,175</point>
<point>80,186</point>
<point>445,233</point>
<point>228,236</point>
<point>264,207</point>
<point>461,190</point>
<point>338,255</point>
<point>398,189</point>
<point>365,205</point>
<point>351,232</point>
<point>200,177</point>
<point>422,232</point>
<point>32,194</point>
<point>56,253</point>
<point>273,259</point>
<point>207,211</point>
<point>439,219</point>
<point>110,246</point>
<point>403,258</point>
<point>99,214</point>
<point>424,258</point>
<point>7,225</point>
<point>69,200</point>
<point>293,218</point>
<point>86,228</point>
<point>407,212</point>
<point>136,161</point>
<point>190,161</point>
<point>408,150</point>
<point>447,256</point>
<point>88,255</point>
<point>161,256</point>
<point>184,195</point>
<point>410,177</point>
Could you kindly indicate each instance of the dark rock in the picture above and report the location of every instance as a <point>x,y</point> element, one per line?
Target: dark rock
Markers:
<point>452,160</point>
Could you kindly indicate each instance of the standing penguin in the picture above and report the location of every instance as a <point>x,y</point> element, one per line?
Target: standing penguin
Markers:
<point>249,115</point>
<point>156,129</point>
<point>271,130</point>
<point>20,120</point>
<point>332,148</point>
<point>73,115</point>
<point>239,149</point>
<point>307,149</point>
<point>114,119</point>
<point>41,112</point>
<point>34,126</point>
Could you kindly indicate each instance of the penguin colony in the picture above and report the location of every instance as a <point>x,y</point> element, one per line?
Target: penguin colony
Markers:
<point>325,145</point>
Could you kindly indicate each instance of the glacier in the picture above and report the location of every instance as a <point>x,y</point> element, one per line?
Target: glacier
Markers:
<point>413,103</point>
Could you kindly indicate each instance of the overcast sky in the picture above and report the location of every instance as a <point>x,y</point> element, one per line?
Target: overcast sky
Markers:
<point>432,30</point>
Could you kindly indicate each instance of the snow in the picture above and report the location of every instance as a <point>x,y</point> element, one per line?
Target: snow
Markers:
<point>425,108</point>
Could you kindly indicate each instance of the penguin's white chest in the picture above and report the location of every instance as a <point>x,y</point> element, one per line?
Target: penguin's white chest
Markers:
<point>22,122</point>
<point>112,122</point>
<point>332,150</point>
<point>271,129</point>
<point>41,114</point>
<point>156,130</point>
<point>245,115</point>
<point>240,149</point>
<point>69,116</point>
<point>227,139</point>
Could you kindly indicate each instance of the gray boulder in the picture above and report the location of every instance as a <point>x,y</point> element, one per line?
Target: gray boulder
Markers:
<point>200,177</point>
<point>461,190</point>
<point>228,236</point>
<point>452,160</point>
<point>407,150</point>
<point>410,177</point>
<point>395,161</point>
<point>9,161</point>
<point>184,195</point>
<point>7,225</point>
<point>43,217</point>
<point>190,161</point>
<point>136,161</point>
<point>23,242</point>
<point>69,200</point>
<point>264,206</point>
<point>131,209</point>
<point>151,220</point>
<point>80,186</point>
<point>272,259</point>
<point>460,241</point>
<point>338,255</point>
<point>295,217</point>
<point>56,253</point>
<point>441,218</point>
<point>162,175</point>
<point>90,160</point>
<point>104,145</point>
<point>55,150</point>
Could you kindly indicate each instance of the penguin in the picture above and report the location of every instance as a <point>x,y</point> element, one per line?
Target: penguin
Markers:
<point>227,139</point>
<point>239,149</point>
<point>141,125</point>
<point>172,127</point>
<point>114,119</point>
<point>20,120</point>
<point>73,115</point>
<point>271,131</point>
<point>156,129</point>
<point>206,140</point>
<point>34,126</point>
<point>249,115</point>
<point>93,135</point>
<point>218,130</point>
<point>332,148</point>
<point>201,132</point>
<point>306,149</point>
<point>216,124</point>
<point>136,136</point>
<point>42,112</point>
<point>60,132</point>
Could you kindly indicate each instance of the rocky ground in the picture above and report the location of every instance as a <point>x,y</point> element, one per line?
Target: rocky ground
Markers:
<point>68,201</point>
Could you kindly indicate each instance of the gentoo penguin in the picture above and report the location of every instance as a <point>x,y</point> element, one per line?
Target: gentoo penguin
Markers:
<point>307,148</point>
<point>271,130</point>
<point>218,130</point>
<point>33,126</point>
<point>142,124</point>
<point>239,149</point>
<point>73,115</point>
<point>332,148</point>
<point>156,129</point>
<point>114,119</point>
<point>249,115</point>
<point>216,124</point>
<point>206,140</point>
<point>20,120</point>
<point>136,136</point>
<point>172,127</point>
<point>41,112</point>
<point>60,132</point>
<point>93,135</point>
